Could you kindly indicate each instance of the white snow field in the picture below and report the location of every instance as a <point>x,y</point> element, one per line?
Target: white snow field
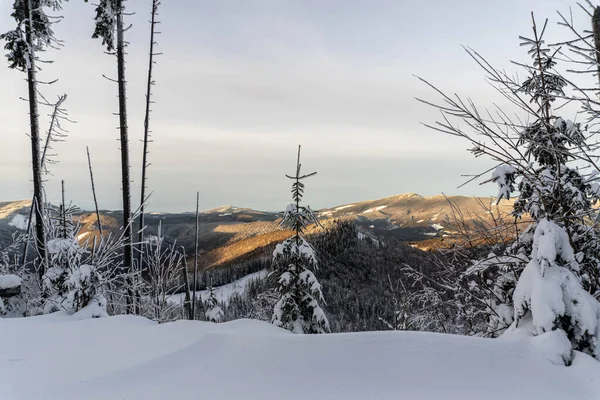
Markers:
<point>130,358</point>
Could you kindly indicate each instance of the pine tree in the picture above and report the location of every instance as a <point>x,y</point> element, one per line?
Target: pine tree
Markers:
<point>32,35</point>
<point>214,313</point>
<point>74,279</point>
<point>299,292</point>
<point>546,279</point>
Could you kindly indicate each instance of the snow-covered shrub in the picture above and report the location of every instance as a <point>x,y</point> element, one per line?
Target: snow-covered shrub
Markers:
<point>214,312</point>
<point>551,294</point>
<point>299,292</point>
<point>64,255</point>
<point>75,276</point>
<point>10,290</point>
<point>161,266</point>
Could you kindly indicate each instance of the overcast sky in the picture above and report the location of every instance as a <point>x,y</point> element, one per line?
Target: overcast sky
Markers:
<point>242,83</point>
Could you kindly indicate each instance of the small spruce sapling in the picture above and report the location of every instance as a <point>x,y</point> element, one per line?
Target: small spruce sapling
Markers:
<point>214,313</point>
<point>298,291</point>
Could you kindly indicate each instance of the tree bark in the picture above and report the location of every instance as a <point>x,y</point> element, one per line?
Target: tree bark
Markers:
<point>149,84</point>
<point>38,202</point>
<point>596,29</point>
<point>196,256</point>
<point>128,250</point>
<point>187,305</point>
<point>94,192</point>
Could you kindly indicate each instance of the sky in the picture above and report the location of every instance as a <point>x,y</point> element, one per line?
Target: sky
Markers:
<point>241,84</point>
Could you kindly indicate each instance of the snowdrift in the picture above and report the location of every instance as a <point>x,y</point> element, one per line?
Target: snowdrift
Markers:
<point>61,357</point>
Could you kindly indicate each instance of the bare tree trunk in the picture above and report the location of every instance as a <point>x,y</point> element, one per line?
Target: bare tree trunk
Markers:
<point>187,305</point>
<point>596,29</point>
<point>53,122</point>
<point>38,202</point>
<point>128,250</point>
<point>196,256</point>
<point>149,84</point>
<point>63,210</point>
<point>94,192</point>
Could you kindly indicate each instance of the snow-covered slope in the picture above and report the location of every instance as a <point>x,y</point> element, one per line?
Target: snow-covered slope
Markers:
<point>59,357</point>
<point>224,292</point>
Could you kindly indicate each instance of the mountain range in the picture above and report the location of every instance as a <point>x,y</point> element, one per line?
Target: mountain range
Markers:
<point>231,234</point>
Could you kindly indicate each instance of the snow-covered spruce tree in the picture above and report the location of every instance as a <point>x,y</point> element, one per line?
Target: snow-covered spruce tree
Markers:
<point>73,280</point>
<point>298,290</point>
<point>214,312</point>
<point>546,279</point>
<point>32,35</point>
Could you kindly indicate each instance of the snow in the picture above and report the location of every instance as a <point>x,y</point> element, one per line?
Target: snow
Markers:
<point>504,176</point>
<point>548,290</point>
<point>342,207</point>
<point>304,249</point>
<point>82,236</point>
<point>370,210</point>
<point>127,357</point>
<point>224,292</point>
<point>437,227</point>
<point>56,246</point>
<point>96,309</point>
<point>20,222</point>
<point>214,314</point>
<point>10,282</point>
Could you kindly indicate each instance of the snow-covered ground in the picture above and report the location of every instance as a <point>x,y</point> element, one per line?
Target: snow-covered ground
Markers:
<point>379,208</point>
<point>223,293</point>
<point>19,221</point>
<point>60,357</point>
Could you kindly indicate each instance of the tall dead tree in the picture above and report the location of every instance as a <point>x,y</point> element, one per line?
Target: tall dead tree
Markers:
<point>55,133</point>
<point>38,204</point>
<point>94,192</point>
<point>63,211</point>
<point>149,84</point>
<point>32,34</point>
<point>128,251</point>
<point>109,19</point>
<point>187,305</point>
<point>196,255</point>
<point>596,29</point>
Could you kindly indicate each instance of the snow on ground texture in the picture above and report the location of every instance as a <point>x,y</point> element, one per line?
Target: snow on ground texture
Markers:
<point>59,357</point>
<point>370,210</point>
<point>19,221</point>
<point>10,281</point>
<point>223,293</point>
